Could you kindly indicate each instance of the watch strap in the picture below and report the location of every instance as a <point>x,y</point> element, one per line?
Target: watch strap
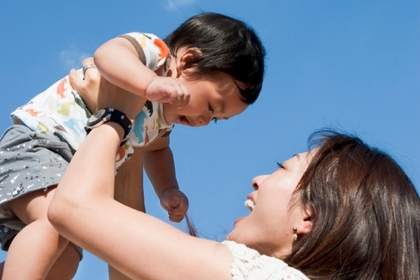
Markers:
<point>110,115</point>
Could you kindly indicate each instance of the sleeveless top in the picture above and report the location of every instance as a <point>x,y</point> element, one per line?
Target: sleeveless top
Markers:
<point>60,111</point>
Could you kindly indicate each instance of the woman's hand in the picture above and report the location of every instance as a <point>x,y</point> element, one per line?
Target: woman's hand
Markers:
<point>175,203</point>
<point>88,87</point>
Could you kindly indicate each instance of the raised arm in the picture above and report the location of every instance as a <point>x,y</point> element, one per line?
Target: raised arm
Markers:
<point>84,211</point>
<point>120,62</point>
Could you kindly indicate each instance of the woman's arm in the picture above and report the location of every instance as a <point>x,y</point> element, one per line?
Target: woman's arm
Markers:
<point>84,211</point>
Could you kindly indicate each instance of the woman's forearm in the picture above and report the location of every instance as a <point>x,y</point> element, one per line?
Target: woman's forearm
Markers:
<point>90,175</point>
<point>84,211</point>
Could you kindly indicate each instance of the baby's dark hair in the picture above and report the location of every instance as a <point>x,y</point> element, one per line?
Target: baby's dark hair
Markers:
<point>227,45</point>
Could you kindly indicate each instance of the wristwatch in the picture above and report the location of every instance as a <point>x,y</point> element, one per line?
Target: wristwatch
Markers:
<point>109,115</point>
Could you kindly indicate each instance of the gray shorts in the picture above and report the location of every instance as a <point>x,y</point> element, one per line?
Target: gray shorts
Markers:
<point>29,161</point>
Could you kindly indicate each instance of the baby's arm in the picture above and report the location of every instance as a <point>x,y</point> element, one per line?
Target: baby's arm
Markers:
<point>118,62</point>
<point>160,168</point>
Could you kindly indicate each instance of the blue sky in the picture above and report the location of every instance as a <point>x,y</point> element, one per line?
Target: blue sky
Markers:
<point>350,65</point>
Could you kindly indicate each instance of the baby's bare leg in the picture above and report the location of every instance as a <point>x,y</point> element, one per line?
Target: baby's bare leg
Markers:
<point>64,268</point>
<point>37,246</point>
<point>66,265</point>
<point>129,191</point>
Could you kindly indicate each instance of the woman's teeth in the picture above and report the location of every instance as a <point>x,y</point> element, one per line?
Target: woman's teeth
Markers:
<point>249,204</point>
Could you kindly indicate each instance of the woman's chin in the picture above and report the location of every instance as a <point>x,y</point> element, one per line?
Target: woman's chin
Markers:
<point>237,221</point>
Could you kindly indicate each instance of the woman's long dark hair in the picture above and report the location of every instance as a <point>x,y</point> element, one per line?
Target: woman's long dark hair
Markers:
<point>365,213</point>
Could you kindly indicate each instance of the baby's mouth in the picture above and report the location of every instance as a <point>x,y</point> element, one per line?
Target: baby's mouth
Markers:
<point>184,120</point>
<point>249,204</point>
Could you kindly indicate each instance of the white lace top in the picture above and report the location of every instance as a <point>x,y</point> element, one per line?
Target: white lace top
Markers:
<point>249,264</point>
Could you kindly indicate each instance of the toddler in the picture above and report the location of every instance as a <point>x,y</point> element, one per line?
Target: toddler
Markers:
<point>210,68</point>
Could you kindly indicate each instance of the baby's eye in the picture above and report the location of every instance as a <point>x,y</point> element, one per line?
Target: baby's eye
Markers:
<point>214,120</point>
<point>211,109</point>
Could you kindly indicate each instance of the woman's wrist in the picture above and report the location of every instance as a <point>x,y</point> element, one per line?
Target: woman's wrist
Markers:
<point>118,128</point>
<point>106,115</point>
<point>110,132</point>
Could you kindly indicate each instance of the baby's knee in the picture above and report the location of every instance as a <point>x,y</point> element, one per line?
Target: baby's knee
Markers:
<point>66,265</point>
<point>32,206</point>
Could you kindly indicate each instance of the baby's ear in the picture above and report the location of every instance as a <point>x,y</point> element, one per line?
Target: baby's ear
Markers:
<point>188,58</point>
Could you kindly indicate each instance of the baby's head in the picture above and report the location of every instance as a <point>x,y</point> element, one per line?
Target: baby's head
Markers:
<point>226,45</point>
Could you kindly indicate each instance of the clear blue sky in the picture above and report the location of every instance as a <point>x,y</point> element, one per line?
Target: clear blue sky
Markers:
<point>351,65</point>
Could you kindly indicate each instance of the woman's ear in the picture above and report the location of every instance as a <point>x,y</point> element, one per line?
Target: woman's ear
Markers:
<point>305,224</point>
<point>187,59</point>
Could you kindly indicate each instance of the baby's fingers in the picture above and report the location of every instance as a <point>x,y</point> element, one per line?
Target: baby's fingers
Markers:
<point>175,203</point>
<point>176,217</point>
<point>180,96</point>
<point>176,214</point>
<point>168,90</point>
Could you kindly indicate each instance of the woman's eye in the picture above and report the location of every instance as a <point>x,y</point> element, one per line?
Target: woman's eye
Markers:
<point>280,165</point>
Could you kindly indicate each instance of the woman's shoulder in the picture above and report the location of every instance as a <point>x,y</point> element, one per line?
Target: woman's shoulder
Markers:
<point>249,264</point>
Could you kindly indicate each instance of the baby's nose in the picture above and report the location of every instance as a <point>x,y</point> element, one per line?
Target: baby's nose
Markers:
<point>204,120</point>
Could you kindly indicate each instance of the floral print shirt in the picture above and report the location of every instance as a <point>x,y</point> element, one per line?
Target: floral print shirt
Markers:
<point>60,111</point>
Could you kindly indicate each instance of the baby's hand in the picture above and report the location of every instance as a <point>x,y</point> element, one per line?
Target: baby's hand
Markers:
<point>168,90</point>
<point>175,203</point>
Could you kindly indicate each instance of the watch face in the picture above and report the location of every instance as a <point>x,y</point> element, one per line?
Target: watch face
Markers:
<point>97,117</point>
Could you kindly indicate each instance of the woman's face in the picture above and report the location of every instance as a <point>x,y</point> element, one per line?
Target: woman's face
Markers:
<point>269,226</point>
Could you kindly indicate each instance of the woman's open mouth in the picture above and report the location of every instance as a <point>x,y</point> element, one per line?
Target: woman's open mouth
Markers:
<point>249,204</point>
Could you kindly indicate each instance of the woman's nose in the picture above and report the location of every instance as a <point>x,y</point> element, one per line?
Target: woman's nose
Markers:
<point>256,182</point>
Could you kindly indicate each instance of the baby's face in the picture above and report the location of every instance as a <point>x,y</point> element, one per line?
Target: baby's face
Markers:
<point>213,98</point>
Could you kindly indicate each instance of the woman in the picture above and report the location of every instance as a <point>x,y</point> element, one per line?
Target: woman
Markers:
<point>340,211</point>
